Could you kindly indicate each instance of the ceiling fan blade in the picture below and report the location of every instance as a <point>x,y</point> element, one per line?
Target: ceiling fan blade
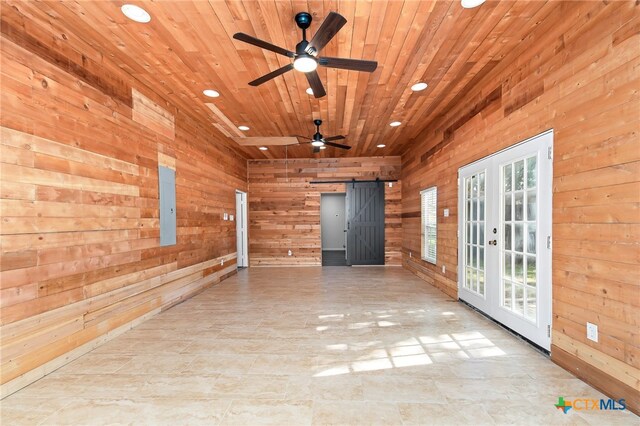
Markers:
<point>272,74</point>
<point>316,85</point>
<point>316,149</point>
<point>329,28</point>
<point>303,139</point>
<point>333,138</point>
<point>348,64</point>
<point>263,44</point>
<point>336,145</point>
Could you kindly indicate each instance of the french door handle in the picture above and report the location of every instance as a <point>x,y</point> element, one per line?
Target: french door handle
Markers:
<point>493,242</point>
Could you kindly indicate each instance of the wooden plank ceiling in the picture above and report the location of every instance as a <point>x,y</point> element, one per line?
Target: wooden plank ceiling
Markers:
<point>188,47</point>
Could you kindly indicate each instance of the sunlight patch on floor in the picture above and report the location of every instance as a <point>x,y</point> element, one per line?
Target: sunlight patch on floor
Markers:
<point>412,352</point>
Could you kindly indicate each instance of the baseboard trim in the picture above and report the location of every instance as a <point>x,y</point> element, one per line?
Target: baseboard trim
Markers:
<point>600,380</point>
<point>49,367</point>
<point>31,376</point>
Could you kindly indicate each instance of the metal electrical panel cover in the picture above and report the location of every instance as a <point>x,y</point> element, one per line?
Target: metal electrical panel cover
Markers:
<point>167,185</point>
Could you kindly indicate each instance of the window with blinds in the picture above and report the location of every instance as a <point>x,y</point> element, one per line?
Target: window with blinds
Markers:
<point>429,228</point>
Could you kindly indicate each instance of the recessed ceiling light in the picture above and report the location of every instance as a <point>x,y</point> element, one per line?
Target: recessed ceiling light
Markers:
<point>395,123</point>
<point>323,147</point>
<point>243,128</point>
<point>309,91</point>
<point>381,145</point>
<point>419,86</point>
<point>210,93</point>
<point>470,4</point>
<point>263,148</point>
<point>135,13</point>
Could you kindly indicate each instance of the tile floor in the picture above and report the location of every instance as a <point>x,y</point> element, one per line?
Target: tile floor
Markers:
<point>296,346</point>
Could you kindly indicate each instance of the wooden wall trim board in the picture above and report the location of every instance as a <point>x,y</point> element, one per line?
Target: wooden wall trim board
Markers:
<point>48,367</point>
<point>284,208</point>
<point>80,257</point>
<point>577,72</point>
<point>607,383</point>
<point>625,373</point>
<point>210,273</point>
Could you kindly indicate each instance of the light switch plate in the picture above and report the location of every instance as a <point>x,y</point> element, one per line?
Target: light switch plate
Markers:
<point>231,217</point>
<point>446,212</point>
<point>225,216</point>
<point>592,332</point>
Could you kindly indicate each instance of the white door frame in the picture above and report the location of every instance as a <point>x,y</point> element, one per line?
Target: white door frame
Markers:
<point>242,238</point>
<point>491,304</point>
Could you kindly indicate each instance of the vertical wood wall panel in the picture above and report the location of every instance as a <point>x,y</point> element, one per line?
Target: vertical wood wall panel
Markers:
<point>578,72</point>
<point>284,208</point>
<point>80,255</point>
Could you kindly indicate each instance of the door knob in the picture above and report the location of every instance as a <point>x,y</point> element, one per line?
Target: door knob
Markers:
<point>493,243</point>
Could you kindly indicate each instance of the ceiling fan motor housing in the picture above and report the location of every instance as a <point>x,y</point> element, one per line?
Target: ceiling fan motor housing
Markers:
<point>301,48</point>
<point>303,20</point>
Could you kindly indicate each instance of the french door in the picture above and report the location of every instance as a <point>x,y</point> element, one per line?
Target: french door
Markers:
<point>504,244</point>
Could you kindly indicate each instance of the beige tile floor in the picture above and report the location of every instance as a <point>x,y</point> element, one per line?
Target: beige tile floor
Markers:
<point>296,346</point>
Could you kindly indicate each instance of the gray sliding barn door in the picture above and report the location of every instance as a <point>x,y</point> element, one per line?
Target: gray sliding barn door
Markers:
<point>365,223</point>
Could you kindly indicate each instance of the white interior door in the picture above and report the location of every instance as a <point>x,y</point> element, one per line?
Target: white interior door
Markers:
<point>241,230</point>
<point>505,237</point>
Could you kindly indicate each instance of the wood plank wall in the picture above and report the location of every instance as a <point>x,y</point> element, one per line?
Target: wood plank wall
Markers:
<point>578,72</point>
<point>284,209</point>
<point>80,254</point>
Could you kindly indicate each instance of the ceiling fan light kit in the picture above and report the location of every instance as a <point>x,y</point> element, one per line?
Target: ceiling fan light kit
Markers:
<point>305,58</point>
<point>305,63</point>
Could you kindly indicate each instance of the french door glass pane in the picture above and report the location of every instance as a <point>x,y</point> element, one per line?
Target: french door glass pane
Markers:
<point>518,246</point>
<point>474,217</point>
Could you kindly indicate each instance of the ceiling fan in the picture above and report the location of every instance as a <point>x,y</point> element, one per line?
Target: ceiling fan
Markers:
<point>318,141</point>
<point>305,58</point>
